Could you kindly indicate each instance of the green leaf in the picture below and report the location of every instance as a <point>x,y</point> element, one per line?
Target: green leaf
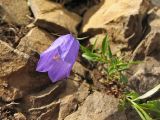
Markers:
<point>91,56</point>
<point>153,106</point>
<point>114,61</point>
<point>104,45</point>
<point>122,64</point>
<point>84,49</point>
<point>109,52</point>
<point>94,44</point>
<point>132,95</point>
<point>149,93</point>
<point>122,68</point>
<point>123,78</point>
<point>122,104</point>
<point>112,70</point>
<point>141,112</point>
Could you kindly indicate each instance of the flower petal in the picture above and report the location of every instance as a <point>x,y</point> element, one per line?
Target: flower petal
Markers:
<point>59,71</point>
<point>70,49</point>
<point>59,58</point>
<point>72,53</point>
<point>58,42</point>
<point>47,60</point>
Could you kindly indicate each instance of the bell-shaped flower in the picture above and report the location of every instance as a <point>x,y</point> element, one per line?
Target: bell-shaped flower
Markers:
<point>59,58</point>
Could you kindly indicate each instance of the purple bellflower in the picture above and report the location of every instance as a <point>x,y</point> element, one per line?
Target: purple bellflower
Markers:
<point>59,58</point>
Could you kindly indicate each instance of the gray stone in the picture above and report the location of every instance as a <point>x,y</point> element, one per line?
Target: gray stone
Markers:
<point>156,2</point>
<point>146,75</point>
<point>150,45</point>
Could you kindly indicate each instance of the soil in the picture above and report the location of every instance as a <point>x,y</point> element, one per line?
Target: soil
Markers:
<point>11,33</point>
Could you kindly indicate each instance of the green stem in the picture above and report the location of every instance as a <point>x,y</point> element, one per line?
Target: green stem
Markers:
<point>140,111</point>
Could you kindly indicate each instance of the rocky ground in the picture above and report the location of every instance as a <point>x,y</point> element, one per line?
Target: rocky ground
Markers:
<point>27,28</point>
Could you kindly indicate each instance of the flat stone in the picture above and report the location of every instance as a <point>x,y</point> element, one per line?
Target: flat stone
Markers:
<point>37,40</point>
<point>115,48</point>
<point>156,2</point>
<point>19,116</point>
<point>11,60</point>
<point>46,96</point>
<point>46,112</point>
<point>82,92</point>
<point>98,106</point>
<point>122,20</point>
<point>79,69</point>
<point>68,105</point>
<point>146,75</point>
<point>15,11</point>
<point>70,88</point>
<point>61,93</point>
<point>17,73</point>
<point>53,17</point>
<point>150,45</point>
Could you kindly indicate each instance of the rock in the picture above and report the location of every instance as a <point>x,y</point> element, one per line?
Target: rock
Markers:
<point>131,114</point>
<point>62,91</point>
<point>123,25</point>
<point>10,59</point>
<point>83,92</point>
<point>47,112</point>
<point>68,105</point>
<point>12,33</point>
<point>46,96</point>
<point>17,70</point>
<point>7,112</point>
<point>37,40</point>
<point>19,116</point>
<point>146,75</point>
<point>97,40</point>
<point>9,93</point>
<point>40,104</point>
<point>80,69</point>
<point>150,45</point>
<point>98,106</point>
<point>70,88</point>
<point>15,11</point>
<point>156,2</point>
<point>115,48</point>
<point>53,17</point>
